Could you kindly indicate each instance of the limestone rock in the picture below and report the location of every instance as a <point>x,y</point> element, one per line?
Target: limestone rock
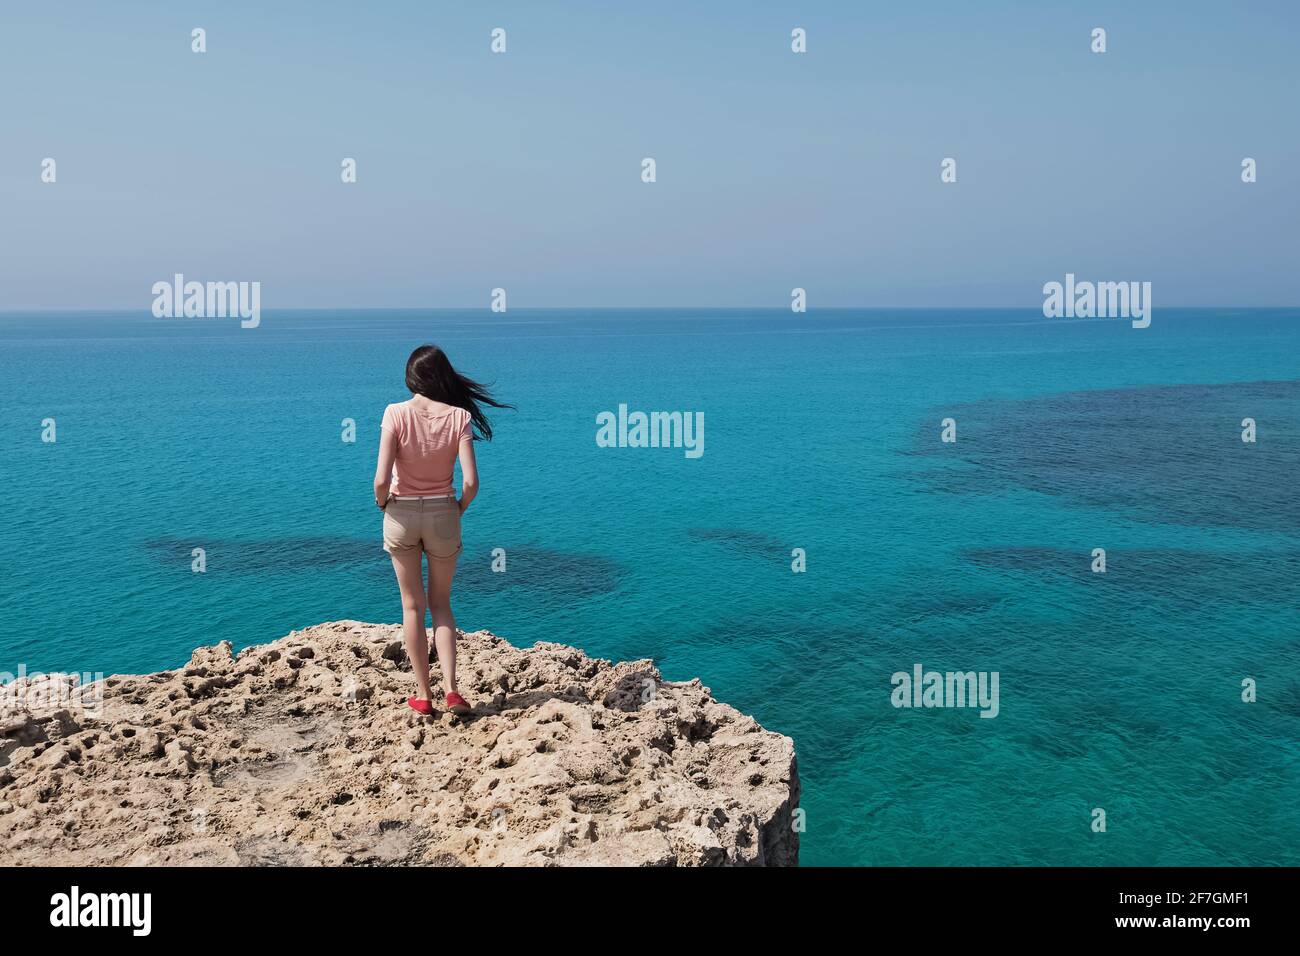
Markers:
<point>302,751</point>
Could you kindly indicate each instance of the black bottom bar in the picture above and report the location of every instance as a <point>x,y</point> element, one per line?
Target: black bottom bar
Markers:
<point>309,906</point>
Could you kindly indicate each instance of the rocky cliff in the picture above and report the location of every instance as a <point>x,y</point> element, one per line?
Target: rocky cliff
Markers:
<point>302,751</point>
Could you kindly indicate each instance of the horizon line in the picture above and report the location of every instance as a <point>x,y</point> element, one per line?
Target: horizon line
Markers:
<point>613,308</point>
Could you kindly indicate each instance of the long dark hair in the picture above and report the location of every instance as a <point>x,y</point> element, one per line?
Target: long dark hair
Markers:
<point>429,373</point>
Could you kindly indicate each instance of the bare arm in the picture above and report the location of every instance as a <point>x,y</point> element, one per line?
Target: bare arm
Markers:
<point>468,474</point>
<point>384,470</point>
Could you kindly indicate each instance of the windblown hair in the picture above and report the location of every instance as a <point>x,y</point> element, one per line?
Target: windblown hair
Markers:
<point>429,373</point>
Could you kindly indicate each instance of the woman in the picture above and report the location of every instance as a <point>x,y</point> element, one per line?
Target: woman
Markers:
<point>418,446</point>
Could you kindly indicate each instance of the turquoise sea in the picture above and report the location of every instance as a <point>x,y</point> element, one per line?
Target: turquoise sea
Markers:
<point>1120,691</point>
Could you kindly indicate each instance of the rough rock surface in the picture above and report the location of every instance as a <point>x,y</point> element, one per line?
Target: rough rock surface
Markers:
<point>302,751</point>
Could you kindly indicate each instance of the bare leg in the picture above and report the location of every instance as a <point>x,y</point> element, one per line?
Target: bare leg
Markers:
<point>407,566</point>
<point>441,573</point>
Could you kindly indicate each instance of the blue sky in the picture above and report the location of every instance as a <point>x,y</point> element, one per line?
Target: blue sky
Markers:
<point>522,170</point>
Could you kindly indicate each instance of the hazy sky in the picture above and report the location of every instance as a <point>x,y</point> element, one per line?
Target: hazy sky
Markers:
<point>523,170</point>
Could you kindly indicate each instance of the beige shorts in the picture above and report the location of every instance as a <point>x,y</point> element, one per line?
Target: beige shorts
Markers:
<point>429,523</point>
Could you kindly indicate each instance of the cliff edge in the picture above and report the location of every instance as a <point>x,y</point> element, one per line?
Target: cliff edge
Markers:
<point>302,751</point>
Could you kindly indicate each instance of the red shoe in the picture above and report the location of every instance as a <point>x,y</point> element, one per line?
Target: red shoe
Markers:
<point>420,706</point>
<point>457,704</point>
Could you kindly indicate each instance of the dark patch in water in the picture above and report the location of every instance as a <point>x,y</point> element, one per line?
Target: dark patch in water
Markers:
<point>543,569</point>
<point>920,609</point>
<point>1187,574</point>
<point>741,541</point>
<point>250,556</point>
<point>1169,453</point>
<point>1060,743</point>
<point>1288,700</point>
<point>558,572</point>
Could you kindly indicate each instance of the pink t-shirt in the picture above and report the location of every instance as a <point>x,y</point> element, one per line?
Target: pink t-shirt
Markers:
<point>428,441</point>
